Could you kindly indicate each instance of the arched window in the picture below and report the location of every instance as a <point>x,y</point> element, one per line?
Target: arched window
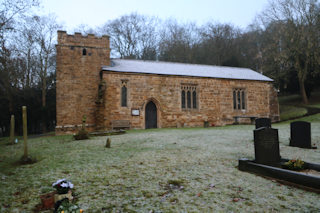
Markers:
<point>124,96</point>
<point>243,103</point>
<point>234,100</point>
<point>189,99</point>
<point>194,99</point>
<point>239,99</point>
<point>183,99</point>
<point>84,51</point>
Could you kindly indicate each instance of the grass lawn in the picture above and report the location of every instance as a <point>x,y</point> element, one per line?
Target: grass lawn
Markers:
<point>291,106</point>
<point>134,175</point>
<point>288,112</point>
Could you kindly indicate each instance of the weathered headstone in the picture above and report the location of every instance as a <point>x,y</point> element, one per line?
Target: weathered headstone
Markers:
<point>266,146</point>
<point>263,122</point>
<point>300,134</point>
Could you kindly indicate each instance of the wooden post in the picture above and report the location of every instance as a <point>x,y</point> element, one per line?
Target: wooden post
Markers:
<point>25,132</point>
<point>108,144</point>
<point>12,129</point>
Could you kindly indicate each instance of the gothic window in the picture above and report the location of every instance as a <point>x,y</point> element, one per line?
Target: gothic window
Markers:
<point>239,99</point>
<point>189,96</point>
<point>189,99</point>
<point>183,99</point>
<point>243,103</point>
<point>84,51</point>
<point>234,99</point>
<point>194,99</point>
<point>124,93</point>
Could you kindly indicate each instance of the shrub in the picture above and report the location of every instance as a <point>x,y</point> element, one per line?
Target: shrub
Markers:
<point>82,133</point>
<point>65,206</point>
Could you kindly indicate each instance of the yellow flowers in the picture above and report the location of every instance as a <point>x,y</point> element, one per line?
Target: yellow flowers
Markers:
<point>81,211</point>
<point>295,164</point>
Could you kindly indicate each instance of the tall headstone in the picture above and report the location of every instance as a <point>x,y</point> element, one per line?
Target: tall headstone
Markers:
<point>263,122</point>
<point>300,134</point>
<point>266,146</point>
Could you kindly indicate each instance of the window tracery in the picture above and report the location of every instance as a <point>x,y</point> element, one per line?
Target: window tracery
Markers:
<point>189,96</point>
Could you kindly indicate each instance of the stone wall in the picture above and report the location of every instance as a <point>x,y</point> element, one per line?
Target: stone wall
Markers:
<point>78,78</point>
<point>274,105</point>
<point>215,100</point>
<point>78,94</point>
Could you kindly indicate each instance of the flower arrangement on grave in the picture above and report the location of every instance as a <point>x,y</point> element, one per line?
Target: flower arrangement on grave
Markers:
<point>294,164</point>
<point>66,207</point>
<point>62,186</point>
<point>64,200</point>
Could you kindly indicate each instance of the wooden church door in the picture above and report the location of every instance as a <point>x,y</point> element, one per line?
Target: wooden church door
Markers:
<point>151,115</point>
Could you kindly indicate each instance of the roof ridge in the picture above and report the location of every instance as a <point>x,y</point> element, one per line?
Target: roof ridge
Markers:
<point>183,69</point>
<point>180,63</point>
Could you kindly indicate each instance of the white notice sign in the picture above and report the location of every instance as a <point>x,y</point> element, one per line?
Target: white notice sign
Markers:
<point>135,112</point>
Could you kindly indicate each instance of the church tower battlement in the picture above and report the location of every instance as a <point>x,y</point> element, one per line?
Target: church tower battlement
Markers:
<point>78,40</point>
<point>79,61</point>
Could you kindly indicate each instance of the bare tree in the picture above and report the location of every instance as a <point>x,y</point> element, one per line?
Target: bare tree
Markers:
<point>10,9</point>
<point>262,50</point>
<point>132,36</point>
<point>178,42</point>
<point>45,28</point>
<point>25,48</point>
<point>219,40</point>
<point>250,49</point>
<point>299,34</point>
<point>10,12</point>
<point>85,30</point>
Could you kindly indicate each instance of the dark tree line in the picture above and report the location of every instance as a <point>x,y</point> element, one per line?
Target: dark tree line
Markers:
<point>282,43</point>
<point>27,66</point>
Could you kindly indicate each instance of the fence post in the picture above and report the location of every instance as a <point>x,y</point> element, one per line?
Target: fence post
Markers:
<point>25,131</point>
<point>12,129</point>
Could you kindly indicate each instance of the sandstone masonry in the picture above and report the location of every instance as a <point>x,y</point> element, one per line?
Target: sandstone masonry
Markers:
<point>79,61</point>
<point>83,88</point>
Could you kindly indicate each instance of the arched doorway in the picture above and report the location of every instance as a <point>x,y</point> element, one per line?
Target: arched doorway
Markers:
<point>151,115</point>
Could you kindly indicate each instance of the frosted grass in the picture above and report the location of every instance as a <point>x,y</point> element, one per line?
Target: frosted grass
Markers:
<point>133,175</point>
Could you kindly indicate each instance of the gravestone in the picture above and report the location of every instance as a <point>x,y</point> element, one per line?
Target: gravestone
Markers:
<point>300,134</point>
<point>263,122</point>
<point>266,146</point>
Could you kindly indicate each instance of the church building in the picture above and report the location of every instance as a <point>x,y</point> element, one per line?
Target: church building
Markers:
<point>136,94</point>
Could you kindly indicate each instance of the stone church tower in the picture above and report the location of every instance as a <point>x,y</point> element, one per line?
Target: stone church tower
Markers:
<point>139,94</point>
<point>79,61</point>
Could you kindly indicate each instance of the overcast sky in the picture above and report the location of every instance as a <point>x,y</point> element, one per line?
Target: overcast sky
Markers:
<point>94,13</point>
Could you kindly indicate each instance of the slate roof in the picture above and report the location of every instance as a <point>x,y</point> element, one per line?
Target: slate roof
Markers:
<point>181,69</point>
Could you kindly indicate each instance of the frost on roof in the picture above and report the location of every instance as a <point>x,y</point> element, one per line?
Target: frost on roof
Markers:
<point>181,69</point>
